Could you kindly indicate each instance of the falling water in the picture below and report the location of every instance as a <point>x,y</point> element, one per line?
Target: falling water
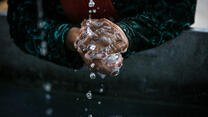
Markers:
<point>89,95</point>
<point>43,51</point>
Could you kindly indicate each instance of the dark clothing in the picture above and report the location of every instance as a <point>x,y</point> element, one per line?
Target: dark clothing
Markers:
<point>147,24</point>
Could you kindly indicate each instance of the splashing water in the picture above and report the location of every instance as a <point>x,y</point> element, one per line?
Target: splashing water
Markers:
<point>92,47</point>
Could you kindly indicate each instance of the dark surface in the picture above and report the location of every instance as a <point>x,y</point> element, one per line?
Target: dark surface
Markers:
<point>168,80</point>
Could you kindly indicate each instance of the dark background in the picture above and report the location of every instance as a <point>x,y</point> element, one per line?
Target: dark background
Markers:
<point>170,80</point>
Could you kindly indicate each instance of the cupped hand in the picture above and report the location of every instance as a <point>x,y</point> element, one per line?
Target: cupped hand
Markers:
<point>100,43</point>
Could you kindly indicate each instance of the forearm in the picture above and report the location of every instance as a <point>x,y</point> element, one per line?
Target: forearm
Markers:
<point>159,24</point>
<point>22,18</point>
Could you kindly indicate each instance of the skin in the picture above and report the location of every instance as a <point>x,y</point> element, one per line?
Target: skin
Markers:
<point>120,43</point>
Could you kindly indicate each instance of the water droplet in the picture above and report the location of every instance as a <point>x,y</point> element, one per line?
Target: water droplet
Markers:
<point>94,10</point>
<point>101,75</point>
<point>85,109</point>
<point>92,47</point>
<point>49,112</point>
<point>47,87</point>
<point>92,65</point>
<point>43,51</point>
<point>89,95</point>
<point>89,31</point>
<point>99,102</point>
<point>90,11</point>
<point>75,70</point>
<point>92,76</point>
<point>48,96</point>
<point>43,44</point>
<point>90,115</point>
<point>77,99</point>
<point>91,3</point>
<point>40,24</point>
<point>101,90</point>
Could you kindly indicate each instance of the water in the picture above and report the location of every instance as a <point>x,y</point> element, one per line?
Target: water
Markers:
<point>75,70</point>
<point>92,65</point>
<point>89,95</point>
<point>77,99</point>
<point>101,90</point>
<point>102,76</point>
<point>85,109</point>
<point>91,3</point>
<point>99,102</point>
<point>47,87</point>
<point>43,51</point>
<point>92,47</point>
<point>48,96</point>
<point>94,10</point>
<point>49,112</point>
<point>90,115</point>
<point>99,32</point>
<point>92,76</point>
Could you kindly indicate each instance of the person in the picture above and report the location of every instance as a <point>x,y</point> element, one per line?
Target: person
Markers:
<point>141,24</point>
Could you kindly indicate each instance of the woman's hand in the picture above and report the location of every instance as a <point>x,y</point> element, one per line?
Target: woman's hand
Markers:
<point>100,44</point>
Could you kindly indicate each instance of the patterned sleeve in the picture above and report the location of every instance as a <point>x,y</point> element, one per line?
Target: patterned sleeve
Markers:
<point>160,21</point>
<point>22,18</point>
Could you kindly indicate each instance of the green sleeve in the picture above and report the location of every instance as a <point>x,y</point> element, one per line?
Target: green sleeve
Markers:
<point>22,18</point>
<point>160,21</point>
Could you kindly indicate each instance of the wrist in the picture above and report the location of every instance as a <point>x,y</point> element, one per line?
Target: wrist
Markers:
<point>71,38</point>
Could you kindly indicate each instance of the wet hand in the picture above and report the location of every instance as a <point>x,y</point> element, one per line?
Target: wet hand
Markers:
<point>100,43</point>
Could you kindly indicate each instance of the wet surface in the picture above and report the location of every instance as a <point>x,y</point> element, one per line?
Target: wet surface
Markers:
<point>22,102</point>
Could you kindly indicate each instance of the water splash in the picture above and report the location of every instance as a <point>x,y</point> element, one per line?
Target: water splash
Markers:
<point>75,70</point>
<point>92,47</point>
<point>102,76</point>
<point>94,10</point>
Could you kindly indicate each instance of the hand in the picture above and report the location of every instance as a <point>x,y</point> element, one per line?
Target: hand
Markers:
<point>71,38</point>
<point>100,44</point>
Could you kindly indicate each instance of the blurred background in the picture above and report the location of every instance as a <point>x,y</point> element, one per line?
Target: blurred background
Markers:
<point>201,18</point>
